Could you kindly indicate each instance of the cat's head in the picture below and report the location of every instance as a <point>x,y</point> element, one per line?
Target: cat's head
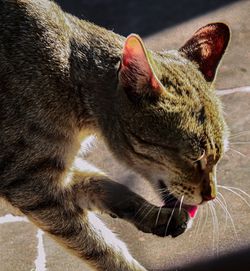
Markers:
<point>172,129</point>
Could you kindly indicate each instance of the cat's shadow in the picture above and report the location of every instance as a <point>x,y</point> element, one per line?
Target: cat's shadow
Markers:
<point>136,16</point>
<point>236,260</point>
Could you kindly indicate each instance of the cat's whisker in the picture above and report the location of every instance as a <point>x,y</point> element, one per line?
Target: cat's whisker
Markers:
<point>217,200</point>
<point>212,214</point>
<point>231,220</point>
<point>239,142</point>
<point>165,190</point>
<point>141,210</point>
<point>148,212</point>
<point>198,225</point>
<point>235,193</point>
<point>224,207</point>
<point>170,218</point>
<point>223,198</point>
<point>194,228</point>
<point>239,134</point>
<point>144,206</point>
<point>217,232</point>
<point>161,189</point>
<point>205,221</point>
<point>158,215</point>
<point>238,189</point>
<point>168,198</point>
<point>238,152</point>
<point>181,202</point>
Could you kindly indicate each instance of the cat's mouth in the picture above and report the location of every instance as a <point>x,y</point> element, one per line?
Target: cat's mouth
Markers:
<point>170,201</point>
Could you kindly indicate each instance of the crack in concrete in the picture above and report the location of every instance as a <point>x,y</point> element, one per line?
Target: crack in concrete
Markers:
<point>40,262</point>
<point>9,218</point>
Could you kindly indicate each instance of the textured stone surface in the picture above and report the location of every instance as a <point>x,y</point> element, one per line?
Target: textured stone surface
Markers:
<point>6,208</point>
<point>18,246</point>
<point>18,243</point>
<point>57,258</point>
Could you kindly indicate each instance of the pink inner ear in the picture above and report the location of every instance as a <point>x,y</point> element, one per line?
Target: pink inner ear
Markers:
<point>212,53</point>
<point>135,60</point>
<point>207,46</point>
<point>133,52</point>
<point>154,82</point>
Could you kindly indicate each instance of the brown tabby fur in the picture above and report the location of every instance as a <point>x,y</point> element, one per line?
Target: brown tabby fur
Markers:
<point>59,83</point>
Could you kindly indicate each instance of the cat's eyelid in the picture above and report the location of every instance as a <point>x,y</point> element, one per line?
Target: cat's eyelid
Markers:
<point>202,160</point>
<point>201,157</point>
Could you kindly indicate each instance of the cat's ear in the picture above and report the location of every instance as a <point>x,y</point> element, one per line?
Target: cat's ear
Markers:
<point>136,74</point>
<point>206,47</point>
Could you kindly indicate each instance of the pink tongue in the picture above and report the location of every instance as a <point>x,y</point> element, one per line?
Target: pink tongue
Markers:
<point>192,210</point>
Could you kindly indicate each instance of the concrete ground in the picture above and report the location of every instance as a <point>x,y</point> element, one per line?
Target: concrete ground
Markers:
<point>221,243</point>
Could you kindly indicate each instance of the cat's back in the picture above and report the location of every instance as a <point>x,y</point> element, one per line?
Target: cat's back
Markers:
<point>34,59</point>
<point>33,34</point>
<point>35,111</point>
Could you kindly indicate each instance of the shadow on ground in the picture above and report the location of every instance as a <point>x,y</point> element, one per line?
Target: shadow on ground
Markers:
<point>239,260</point>
<point>141,17</point>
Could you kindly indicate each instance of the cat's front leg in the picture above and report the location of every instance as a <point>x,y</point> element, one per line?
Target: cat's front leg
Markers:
<point>53,206</point>
<point>101,193</point>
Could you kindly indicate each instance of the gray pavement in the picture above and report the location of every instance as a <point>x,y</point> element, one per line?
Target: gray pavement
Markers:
<point>207,243</point>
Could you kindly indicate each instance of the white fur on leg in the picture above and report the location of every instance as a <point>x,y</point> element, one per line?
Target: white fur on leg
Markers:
<point>85,167</point>
<point>120,250</point>
<point>108,236</point>
<point>86,145</point>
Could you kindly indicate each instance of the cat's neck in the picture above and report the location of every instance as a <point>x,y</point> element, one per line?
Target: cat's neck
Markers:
<point>95,60</point>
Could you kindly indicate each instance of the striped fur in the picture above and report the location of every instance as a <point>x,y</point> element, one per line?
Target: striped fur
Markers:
<point>58,85</point>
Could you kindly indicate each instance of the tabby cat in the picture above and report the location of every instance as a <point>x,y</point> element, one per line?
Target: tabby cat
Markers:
<point>63,79</point>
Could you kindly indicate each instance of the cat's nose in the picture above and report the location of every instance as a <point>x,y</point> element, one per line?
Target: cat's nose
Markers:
<point>208,191</point>
<point>207,194</point>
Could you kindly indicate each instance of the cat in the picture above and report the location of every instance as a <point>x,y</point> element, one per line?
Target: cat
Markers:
<point>63,79</point>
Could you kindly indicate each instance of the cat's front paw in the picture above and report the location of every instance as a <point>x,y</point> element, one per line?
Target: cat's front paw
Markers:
<point>171,222</point>
<point>163,221</point>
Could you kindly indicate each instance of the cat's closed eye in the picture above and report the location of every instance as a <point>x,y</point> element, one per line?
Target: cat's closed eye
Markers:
<point>201,161</point>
